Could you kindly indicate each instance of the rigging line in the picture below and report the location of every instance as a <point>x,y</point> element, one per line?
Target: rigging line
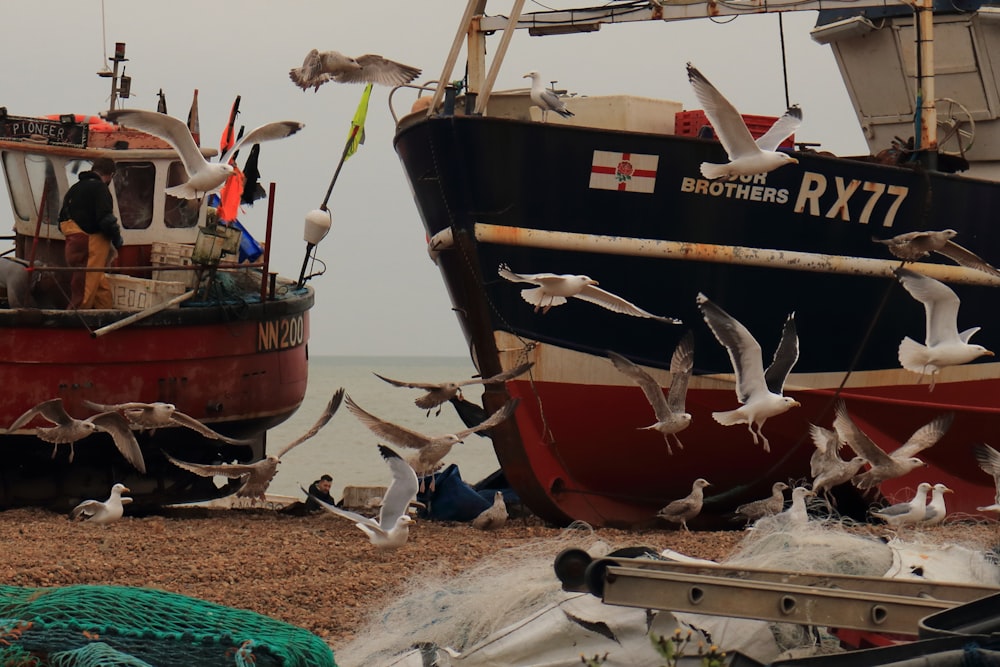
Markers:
<point>784,58</point>
<point>104,38</point>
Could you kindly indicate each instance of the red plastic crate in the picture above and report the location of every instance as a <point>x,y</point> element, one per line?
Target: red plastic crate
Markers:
<point>688,123</point>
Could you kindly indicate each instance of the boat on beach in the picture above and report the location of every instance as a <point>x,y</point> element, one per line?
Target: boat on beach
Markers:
<point>194,323</point>
<point>615,192</point>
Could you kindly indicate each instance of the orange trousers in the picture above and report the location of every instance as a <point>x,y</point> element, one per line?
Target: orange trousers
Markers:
<point>88,289</point>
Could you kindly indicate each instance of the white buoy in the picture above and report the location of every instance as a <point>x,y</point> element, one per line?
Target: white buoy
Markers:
<point>318,223</point>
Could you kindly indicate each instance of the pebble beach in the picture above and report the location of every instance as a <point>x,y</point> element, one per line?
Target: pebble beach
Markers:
<point>318,572</point>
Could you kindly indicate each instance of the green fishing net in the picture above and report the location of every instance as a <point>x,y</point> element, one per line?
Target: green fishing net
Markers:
<point>112,626</point>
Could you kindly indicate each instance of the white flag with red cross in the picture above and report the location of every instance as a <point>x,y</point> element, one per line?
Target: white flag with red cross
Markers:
<point>629,172</point>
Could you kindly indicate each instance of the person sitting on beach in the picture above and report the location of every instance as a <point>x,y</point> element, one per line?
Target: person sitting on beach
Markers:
<point>318,489</point>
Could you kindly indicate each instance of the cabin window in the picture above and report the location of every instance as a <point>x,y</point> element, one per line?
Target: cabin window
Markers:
<point>17,186</point>
<point>179,213</point>
<point>43,184</point>
<point>134,185</point>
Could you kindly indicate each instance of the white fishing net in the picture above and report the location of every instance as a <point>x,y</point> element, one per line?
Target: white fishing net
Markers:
<point>504,590</point>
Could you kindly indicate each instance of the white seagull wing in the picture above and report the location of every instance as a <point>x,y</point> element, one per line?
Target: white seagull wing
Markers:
<point>347,514</point>
<point>856,439</point>
<point>785,357</point>
<point>681,367</point>
<point>744,350</point>
<point>172,130</point>
<point>650,387</point>
<point>617,304</point>
<point>782,128</point>
<point>402,490</point>
<point>328,412</point>
<point>725,119</point>
<point>267,132</point>
<point>940,305</point>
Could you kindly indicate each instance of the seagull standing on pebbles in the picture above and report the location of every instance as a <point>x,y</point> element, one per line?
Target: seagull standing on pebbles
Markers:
<point>545,99</point>
<point>322,66</point>
<point>912,246</point>
<point>392,527</point>
<point>554,289</point>
<point>758,390</point>
<point>204,177</point>
<point>68,430</point>
<point>943,344</point>
<point>494,516</point>
<point>94,511</point>
<point>902,514</point>
<point>686,508</point>
<point>746,156</point>
<point>670,415</point>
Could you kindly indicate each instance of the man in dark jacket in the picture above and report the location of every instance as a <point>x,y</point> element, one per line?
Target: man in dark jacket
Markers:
<point>92,233</point>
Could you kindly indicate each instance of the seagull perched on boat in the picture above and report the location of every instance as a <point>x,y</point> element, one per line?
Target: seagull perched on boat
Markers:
<point>94,511</point>
<point>156,415</point>
<point>669,410</point>
<point>912,246</point>
<point>684,509</point>
<point>746,156</point>
<point>439,393</point>
<point>903,514</point>
<point>494,516</point>
<point>989,461</point>
<point>943,344</point>
<point>257,476</point>
<point>769,506</point>
<point>887,466</point>
<point>545,99</point>
<point>392,527</point>
<point>553,289</point>
<point>203,176</point>
<point>431,449</point>
<point>826,467</point>
<point>935,512</point>
<point>758,390</point>
<point>68,430</point>
<point>322,66</point>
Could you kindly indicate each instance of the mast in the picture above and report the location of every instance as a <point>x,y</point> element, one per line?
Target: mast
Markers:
<point>926,118</point>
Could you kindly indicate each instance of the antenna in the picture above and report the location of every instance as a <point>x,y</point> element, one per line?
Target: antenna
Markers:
<point>104,71</point>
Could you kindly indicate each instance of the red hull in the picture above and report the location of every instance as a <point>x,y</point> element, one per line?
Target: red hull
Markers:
<point>587,458</point>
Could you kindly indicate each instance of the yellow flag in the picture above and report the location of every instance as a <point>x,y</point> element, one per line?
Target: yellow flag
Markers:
<point>357,135</point>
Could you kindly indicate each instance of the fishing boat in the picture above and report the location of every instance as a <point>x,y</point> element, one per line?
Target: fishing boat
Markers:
<point>223,340</point>
<point>615,193</point>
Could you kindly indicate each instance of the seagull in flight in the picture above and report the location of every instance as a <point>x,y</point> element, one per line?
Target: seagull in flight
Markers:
<point>684,509</point>
<point>392,527</point>
<point>545,99</point>
<point>912,246</point>
<point>671,417</point>
<point>746,156</point>
<point>204,177</point>
<point>431,449</point>
<point>887,466</point>
<point>758,390</point>
<point>94,511</point>
<point>156,415</point>
<point>439,393</point>
<point>989,461</point>
<point>943,345</point>
<point>257,476</point>
<point>826,467</point>
<point>68,430</point>
<point>322,66</point>
<point>552,289</point>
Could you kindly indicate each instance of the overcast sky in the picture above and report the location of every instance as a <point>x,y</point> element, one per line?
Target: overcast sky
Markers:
<point>381,295</point>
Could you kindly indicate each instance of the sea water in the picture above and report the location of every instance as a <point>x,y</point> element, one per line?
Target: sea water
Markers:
<point>346,449</point>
